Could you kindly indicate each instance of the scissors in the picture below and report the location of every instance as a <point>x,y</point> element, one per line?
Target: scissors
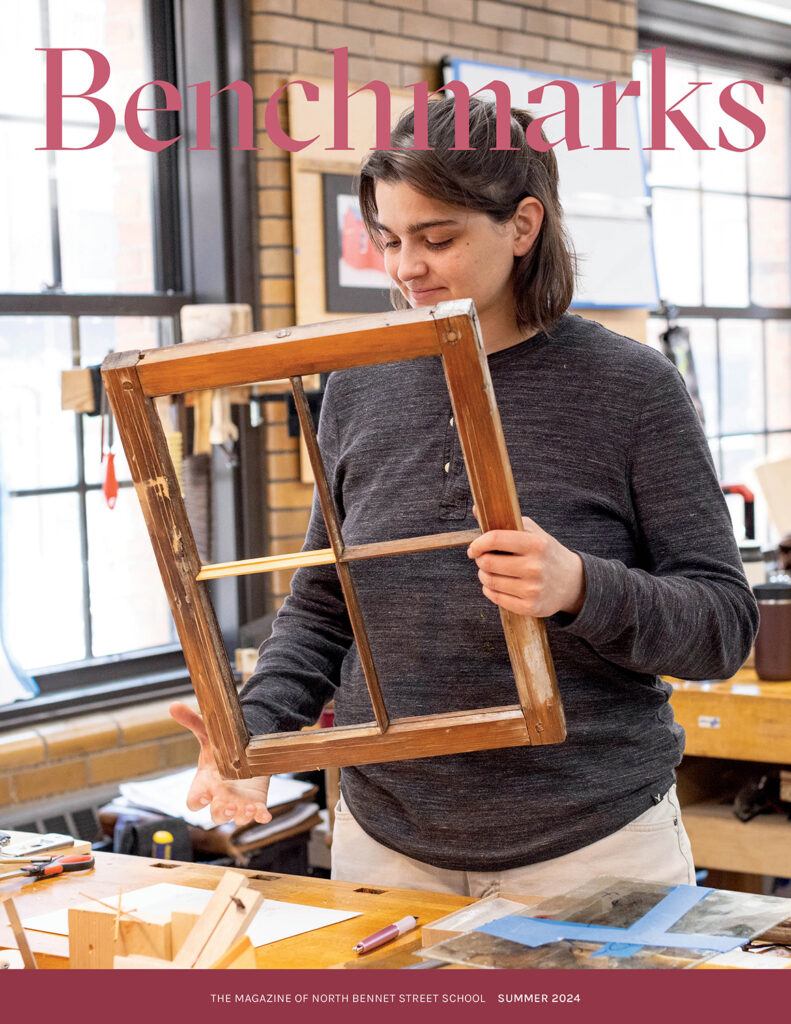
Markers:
<point>56,866</point>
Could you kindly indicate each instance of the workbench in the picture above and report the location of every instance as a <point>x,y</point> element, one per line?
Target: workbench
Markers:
<point>324,947</point>
<point>741,720</point>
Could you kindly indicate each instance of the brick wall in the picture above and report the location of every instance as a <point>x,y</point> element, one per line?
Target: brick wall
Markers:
<point>399,42</point>
<point>91,751</point>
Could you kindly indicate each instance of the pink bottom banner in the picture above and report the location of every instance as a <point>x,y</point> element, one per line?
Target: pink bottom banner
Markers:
<point>641,996</point>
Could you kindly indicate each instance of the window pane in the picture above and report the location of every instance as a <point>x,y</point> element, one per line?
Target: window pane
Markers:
<point>769,252</point>
<point>676,226</point>
<point>678,165</point>
<point>129,610</point>
<point>116,28</point>
<point>103,194</point>
<point>742,376</point>
<point>44,615</point>
<point>20,64</point>
<point>25,239</point>
<point>779,446</point>
<point>703,342</point>
<point>721,170</point>
<point>768,163</point>
<point>778,374</point>
<point>105,217</point>
<point>37,438</point>
<point>725,251</point>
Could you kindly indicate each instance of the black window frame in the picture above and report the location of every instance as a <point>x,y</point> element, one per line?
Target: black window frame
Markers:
<point>205,217</point>
<point>746,45</point>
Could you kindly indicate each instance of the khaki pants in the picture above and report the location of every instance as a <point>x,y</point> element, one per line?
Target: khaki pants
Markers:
<point>654,847</point>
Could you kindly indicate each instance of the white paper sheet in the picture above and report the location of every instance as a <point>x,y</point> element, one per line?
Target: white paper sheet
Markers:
<point>275,920</point>
<point>168,795</point>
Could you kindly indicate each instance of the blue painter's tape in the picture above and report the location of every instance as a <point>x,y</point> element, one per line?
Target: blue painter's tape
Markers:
<point>621,949</point>
<point>650,930</point>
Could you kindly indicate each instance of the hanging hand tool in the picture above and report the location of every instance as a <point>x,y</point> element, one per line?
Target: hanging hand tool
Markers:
<point>47,868</point>
<point>109,479</point>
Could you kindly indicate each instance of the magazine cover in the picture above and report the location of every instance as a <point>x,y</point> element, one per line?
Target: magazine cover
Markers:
<point>395,506</point>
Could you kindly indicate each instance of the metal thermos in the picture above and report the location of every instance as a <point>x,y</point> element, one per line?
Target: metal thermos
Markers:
<point>773,643</point>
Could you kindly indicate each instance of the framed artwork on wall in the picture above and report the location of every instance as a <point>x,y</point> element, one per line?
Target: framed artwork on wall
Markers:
<point>355,278</point>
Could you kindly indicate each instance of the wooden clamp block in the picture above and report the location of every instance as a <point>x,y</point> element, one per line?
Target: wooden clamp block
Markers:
<point>224,921</point>
<point>76,391</point>
<point>28,960</point>
<point>181,924</point>
<point>240,957</point>
<point>214,938</point>
<point>94,939</point>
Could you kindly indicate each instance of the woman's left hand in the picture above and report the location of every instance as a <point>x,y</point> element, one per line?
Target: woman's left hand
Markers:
<point>528,571</point>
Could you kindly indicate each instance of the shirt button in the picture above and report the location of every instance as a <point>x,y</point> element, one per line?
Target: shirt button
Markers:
<point>447,467</point>
<point>451,421</point>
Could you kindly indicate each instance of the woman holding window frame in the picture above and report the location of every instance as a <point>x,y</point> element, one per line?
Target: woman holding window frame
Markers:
<point>627,552</point>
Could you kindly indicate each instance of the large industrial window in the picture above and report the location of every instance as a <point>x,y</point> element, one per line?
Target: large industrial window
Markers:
<point>722,234</point>
<point>96,255</point>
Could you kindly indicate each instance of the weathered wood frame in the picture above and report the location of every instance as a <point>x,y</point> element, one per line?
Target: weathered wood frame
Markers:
<point>134,380</point>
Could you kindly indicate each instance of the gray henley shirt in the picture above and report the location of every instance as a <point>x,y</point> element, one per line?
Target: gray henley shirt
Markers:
<point>609,457</point>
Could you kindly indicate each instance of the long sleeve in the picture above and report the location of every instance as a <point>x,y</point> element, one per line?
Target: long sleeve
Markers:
<point>689,612</point>
<point>299,666</point>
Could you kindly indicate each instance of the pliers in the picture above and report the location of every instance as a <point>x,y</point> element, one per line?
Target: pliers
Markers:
<point>56,866</point>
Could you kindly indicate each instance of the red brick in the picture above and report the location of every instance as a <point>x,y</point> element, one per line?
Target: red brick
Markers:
<point>460,10</point>
<point>623,39</point>
<point>274,318</point>
<point>289,494</point>
<point>522,45</point>
<point>276,262</point>
<point>607,61</point>
<point>274,28</point>
<point>629,14</point>
<point>274,202</point>
<point>274,231</point>
<point>591,32</point>
<point>394,47</point>
<point>272,6</point>
<point>321,10</point>
<point>315,63</point>
<point>366,69</point>
<point>334,37</point>
<point>436,51</point>
<point>363,15</point>
<point>566,53</point>
<point>480,36</point>
<point>408,74</point>
<point>277,291</point>
<point>579,7</point>
<point>542,24</point>
<point>604,10</point>
<point>273,173</point>
<point>289,524</point>
<point>272,57</point>
<point>406,5</point>
<point>422,26</point>
<point>501,15</point>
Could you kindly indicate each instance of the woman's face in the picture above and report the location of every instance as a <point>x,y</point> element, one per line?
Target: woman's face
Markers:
<point>435,252</point>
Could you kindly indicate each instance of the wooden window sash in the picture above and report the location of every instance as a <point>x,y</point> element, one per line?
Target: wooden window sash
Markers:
<point>134,379</point>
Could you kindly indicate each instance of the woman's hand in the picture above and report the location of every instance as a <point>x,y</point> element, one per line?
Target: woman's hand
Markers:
<point>528,571</point>
<point>241,800</point>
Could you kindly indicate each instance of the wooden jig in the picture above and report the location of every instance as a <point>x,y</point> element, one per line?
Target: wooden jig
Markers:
<point>134,380</point>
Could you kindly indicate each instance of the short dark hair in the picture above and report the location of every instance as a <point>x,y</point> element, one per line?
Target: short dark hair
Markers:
<point>487,180</point>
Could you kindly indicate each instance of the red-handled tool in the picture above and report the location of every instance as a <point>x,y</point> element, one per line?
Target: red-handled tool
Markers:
<point>47,868</point>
